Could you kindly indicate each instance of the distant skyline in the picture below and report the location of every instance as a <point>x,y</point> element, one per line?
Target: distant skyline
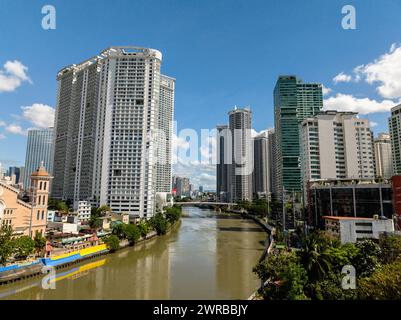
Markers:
<point>222,53</point>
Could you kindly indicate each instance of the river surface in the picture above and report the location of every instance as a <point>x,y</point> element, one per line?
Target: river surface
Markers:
<point>208,256</point>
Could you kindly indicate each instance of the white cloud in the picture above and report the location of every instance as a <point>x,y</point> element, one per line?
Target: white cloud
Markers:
<point>2,123</point>
<point>385,71</point>
<point>373,124</point>
<point>326,90</point>
<point>342,77</point>
<point>13,74</point>
<point>40,115</point>
<point>345,102</point>
<point>201,170</point>
<point>16,129</point>
<point>2,136</point>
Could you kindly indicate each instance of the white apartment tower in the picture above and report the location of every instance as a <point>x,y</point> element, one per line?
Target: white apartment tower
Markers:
<point>336,145</point>
<point>383,164</point>
<point>165,125</point>
<point>394,124</point>
<point>240,125</point>
<point>107,117</point>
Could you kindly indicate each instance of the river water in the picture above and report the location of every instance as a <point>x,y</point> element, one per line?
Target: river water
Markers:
<point>208,256</point>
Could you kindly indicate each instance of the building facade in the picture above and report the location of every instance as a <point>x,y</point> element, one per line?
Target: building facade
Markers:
<point>83,209</point>
<point>336,145</point>
<point>40,148</point>
<point>294,101</point>
<point>107,114</point>
<point>261,171</point>
<point>223,165</point>
<point>351,230</point>
<point>165,125</point>
<point>394,124</point>
<point>26,217</point>
<point>349,198</point>
<point>15,174</point>
<point>240,125</point>
<point>383,161</point>
<point>182,187</point>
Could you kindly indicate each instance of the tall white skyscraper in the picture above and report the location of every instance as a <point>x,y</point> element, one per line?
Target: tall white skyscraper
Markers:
<point>336,145</point>
<point>40,147</point>
<point>383,163</point>
<point>109,110</point>
<point>240,125</point>
<point>165,125</point>
<point>394,124</point>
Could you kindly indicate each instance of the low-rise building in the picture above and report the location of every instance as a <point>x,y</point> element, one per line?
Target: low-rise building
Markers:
<point>83,209</point>
<point>26,217</point>
<point>358,198</point>
<point>110,217</point>
<point>351,229</point>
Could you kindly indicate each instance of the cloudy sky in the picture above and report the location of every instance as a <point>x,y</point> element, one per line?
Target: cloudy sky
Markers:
<point>223,53</point>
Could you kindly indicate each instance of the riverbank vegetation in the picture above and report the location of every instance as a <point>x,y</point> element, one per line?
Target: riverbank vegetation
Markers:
<point>160,223</point>
<point>315,272</point>
<point>18,248</point>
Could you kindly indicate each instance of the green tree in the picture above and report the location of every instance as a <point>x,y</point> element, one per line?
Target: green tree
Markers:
<point>390,246</point>
<point>40,242</point>
<point>143,229</point>
<point>112,242</point>
<point>294,278</point>
<point>23,247</point>
<point>159,223</point>
<point>367,259</point>
<point>383,284</point>
<point>173,214</point>
<point>101,211</point>
<point>118,229</point>
<point>283,276</point>
<point>132,233</point>
<point>95,222</point>
<point>54,204</point>
<point>314,257</point>
<point>6,243</point>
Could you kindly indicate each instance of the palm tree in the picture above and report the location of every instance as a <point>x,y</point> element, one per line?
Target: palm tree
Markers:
<point>315,258</point>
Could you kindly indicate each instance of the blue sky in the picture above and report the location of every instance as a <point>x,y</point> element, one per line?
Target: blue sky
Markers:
<point>222,53</point>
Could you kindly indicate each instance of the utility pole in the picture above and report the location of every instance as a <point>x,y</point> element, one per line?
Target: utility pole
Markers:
<point>284,209</point>
<point>268,206</point>
<point>293,207</point>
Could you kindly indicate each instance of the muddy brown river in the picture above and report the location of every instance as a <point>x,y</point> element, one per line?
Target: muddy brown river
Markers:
<point>208,256</point>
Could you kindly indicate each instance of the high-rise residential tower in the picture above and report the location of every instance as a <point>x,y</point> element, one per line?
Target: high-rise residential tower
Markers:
<point>272,161</point>
<point>294,101</point>
<point>240,125</point>
<point>109,110</point>
<point>336,145</point>
<point>223,166</point>
<point>165,125</point>
<point>40,147</point>
<point>395,137</point>
<point>261,170</point>
<point>383,163</point>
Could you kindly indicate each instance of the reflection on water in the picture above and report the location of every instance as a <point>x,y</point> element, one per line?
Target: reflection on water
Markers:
<point>208,257</point>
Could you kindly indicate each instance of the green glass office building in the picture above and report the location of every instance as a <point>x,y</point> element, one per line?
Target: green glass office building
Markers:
<point>294,101</point>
